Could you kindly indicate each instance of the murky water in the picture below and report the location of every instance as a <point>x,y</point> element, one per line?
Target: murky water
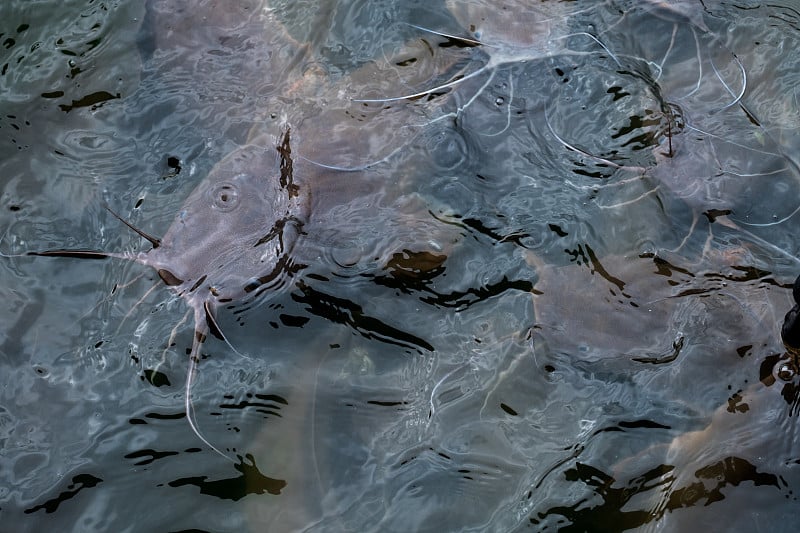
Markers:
<point>543,294</point>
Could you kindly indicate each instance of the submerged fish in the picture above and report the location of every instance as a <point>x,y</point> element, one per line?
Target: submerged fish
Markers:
<point>231,239</point>
<point>235,235</point>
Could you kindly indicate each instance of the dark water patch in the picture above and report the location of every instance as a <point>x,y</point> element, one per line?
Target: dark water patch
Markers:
<point>293,321</point>
<point>386,403</point>
<point>23,126</point>
<point>155,378</point>
<point>508,409</point>
<point>664,268</point>
<point>712,214</point>
<point>585,255</point>
<point>410,272</point>
<point>174,167</point>
<point>614,499</point>
<point>461,300</point>
<point>736,404</point>
<point>479,227</point>
<point>644,424</point>
<point>615,496</point>
<point>731,471</point>
<point>555,228</point>
<point>268,404</point>
<point>78,484</point>
<point>790,392</point>
<point>668,357</point>
<point>146,457</point>
<point>746,273</point>
<point>167,416</point>
<point>251,481</point>
<point>342,311</point>
<point>93,101</point>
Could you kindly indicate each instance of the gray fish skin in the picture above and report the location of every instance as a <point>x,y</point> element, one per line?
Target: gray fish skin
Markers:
<point>236,226</point>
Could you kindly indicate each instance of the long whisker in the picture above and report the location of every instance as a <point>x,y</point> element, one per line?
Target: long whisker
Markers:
<point>432,411</point>
<point>650,63</point>
<point>173,334</point>
<point>213,325</point>
<point>81,254</point>
<point>668,50</point>
<point>699,66</point>
<point>728,141</point>
<point>695,218</point>
<point>595,187</point>
<point>420,94</point>
<point>76,253</point>
<point>596,40</point>
<point>313,431</point>
<point>492,63</point>
<point>767,244</point>
<point>773,223</point>
<point>344,169</point>
<point>737,97</point>
<point>508,110</point>
<point>756,174</point>
<point>587,154</point>
<point>201,329</point>
<point>137,303</point>
<point>632,200</point>
<point>462,108</point>
<point>449,35</point>
<point>360,168</point>
<point>153,240</point>
<point>762,242</point>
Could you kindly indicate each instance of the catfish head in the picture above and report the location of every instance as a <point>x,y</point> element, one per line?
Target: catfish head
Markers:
<point>235,231</point>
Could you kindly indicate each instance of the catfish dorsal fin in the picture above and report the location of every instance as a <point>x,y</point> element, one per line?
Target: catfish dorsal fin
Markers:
<point>156,242</point>
<point>286,165</point>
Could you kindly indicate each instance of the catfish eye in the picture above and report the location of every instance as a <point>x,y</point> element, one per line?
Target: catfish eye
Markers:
<point>224,196</point>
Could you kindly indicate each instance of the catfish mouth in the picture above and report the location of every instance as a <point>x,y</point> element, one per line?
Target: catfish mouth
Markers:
<point>169,279</point>
<point>218,286</point>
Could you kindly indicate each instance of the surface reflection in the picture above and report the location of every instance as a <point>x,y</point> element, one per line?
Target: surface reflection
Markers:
<point>536,280</point>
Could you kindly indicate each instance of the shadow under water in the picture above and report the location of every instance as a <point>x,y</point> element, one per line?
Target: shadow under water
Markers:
<point>490,265</point>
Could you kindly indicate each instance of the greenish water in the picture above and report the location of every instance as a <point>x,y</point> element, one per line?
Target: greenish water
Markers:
<point>545,293</point>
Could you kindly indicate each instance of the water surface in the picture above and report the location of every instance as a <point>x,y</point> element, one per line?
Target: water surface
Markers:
<point>545,297</point>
